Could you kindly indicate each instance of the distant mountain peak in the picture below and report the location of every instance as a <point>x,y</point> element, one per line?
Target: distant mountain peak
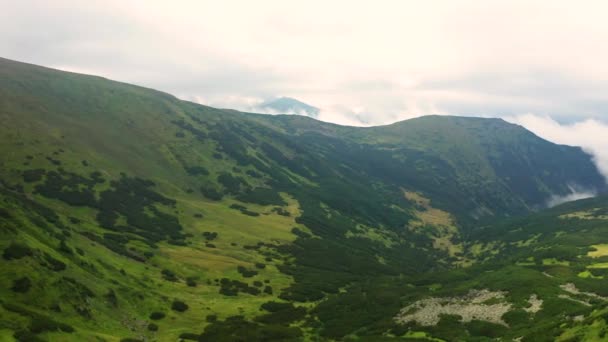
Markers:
<point>288,105</point>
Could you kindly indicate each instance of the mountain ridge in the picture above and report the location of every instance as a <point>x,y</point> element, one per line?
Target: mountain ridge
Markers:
<point>245,225</point>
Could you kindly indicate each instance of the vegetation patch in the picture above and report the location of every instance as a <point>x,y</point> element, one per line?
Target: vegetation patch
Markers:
<point>281,313</point>
<point>243,210</point>
<point>21,285</point>
<point>261,196</point>
<point>169,275</point>
<point>229,287</point>
<point>236,328</point>
<point>179,306</point>
<point>157,315</point>
<point>16,251</point>
<point>196,171</point>
<point>211,193</point>
<point>38,323</point>
<point>437,224</point>
<point>598,251</point>
<point>52,264</point>
<point>245,272</point>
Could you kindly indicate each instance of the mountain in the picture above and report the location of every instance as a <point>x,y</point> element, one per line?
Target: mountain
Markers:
<point>546,272</point>
<point>129,214</point>
<point>288,105</point>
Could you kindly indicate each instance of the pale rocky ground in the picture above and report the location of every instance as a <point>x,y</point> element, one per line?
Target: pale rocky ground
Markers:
<point>571,288</point>
<point>469,307</point>
<point>535,304</point>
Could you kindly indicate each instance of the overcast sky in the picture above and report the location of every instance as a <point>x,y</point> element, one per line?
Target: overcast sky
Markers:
<point>543,64</point>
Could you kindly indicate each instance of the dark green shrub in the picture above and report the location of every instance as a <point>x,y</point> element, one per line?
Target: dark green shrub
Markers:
<point>276,306</point>
<point>179,306</point>
<point>169,275</point>
<point>4,213</point>
<point>243,210</point>
<point>30,176</point>
<point>247,273</point>
<point>189,336</point>
<point>300,233</point>
<point>97,177</point>
<point>64,248</point>
<point>230,287</point>
<point>211,193</point>
<point>74,220</point>
<point>152,327</point>
<point>262,196</point>
<point>231,183</point>
<point>177,242</point>
<point>41,324</point>
<point>281,313</point>
<point>238,207</point>
<point>181,123</point>
<point>236,328</point>
<point>191,281</point>
<point>52,263</point>
<point>281,211</point>
<point>486,329</point>
<point>250,213</point>
<point>16,251</point>
<point>22,285</point>
<point>111,297</point>
<point>26,336</point>
<point>210,236</point>
<point>197,170</point>
<point>77,288</point>
<point>516,317</point>
<point>157,315</point>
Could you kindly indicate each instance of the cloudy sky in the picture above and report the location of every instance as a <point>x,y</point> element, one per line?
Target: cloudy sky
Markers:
<point>542,64</point>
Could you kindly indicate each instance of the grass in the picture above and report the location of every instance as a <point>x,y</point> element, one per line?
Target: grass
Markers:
<point>421,335</point>
<point>438,224</point>
<point>598,251</point>
<point>588,274</point>
<point>591,332</point>
<point>585,215</point>
<point>555,262</point>
<point>193,260</point>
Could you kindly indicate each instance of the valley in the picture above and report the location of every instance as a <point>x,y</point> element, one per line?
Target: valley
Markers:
<point>127,214</point>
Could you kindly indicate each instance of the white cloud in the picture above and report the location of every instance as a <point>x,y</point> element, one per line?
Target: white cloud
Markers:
<point>377,62</point>
<point>574,195</point>
<point>590,134</point>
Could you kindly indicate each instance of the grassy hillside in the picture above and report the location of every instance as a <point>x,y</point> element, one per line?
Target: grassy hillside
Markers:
<point>547,272</point>
<point>129,214</point>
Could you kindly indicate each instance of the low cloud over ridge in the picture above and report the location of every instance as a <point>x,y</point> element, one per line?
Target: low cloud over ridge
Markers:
<point>590,134</point>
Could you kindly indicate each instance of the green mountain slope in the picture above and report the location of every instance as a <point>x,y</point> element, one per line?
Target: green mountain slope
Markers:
<point>544,274</point>
<point>127,213</point>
